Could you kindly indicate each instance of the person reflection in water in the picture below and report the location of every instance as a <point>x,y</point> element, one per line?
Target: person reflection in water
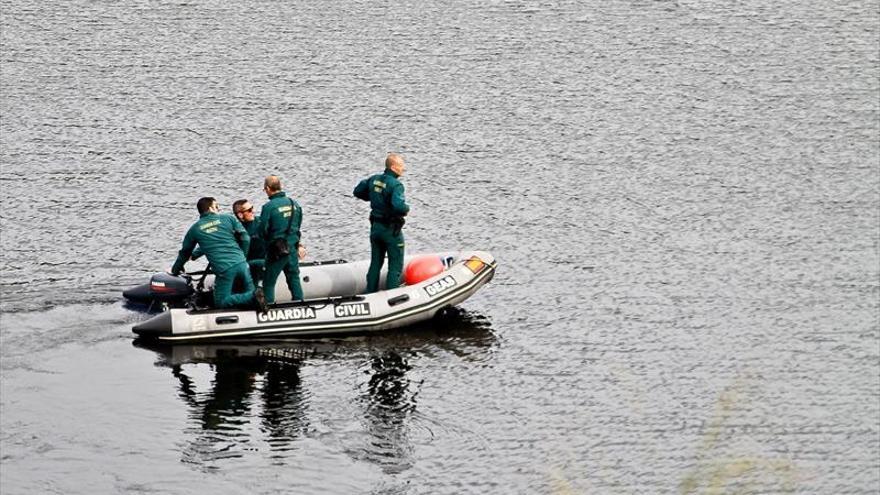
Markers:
<point>389,401</point>
<point>229,398</point>
<point>283,416</point>
<point>236,394</point>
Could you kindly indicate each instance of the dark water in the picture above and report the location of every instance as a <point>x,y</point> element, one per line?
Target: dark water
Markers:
<point>684,199</point>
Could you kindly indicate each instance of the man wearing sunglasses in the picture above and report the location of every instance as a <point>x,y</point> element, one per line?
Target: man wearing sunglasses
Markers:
<point>256,255</point>
<point>224,241</point>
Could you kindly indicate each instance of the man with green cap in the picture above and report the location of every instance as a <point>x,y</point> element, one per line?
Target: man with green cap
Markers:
<point>388,208</point>
<point>224,241</point>
<point>280,221</point>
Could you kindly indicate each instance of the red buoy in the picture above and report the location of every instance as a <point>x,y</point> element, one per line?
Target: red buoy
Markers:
<point>422,268</point>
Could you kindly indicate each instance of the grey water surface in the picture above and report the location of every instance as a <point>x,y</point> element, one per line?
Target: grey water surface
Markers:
<point>684,199</point>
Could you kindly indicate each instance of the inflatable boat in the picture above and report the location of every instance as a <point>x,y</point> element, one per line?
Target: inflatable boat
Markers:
<point>334,303</point>
<point>455,328</point>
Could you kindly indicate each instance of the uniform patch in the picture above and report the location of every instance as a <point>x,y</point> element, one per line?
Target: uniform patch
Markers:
<point>210,226</point>
<point>347,310</point>
<point>440,285</point>
<point>287,314</point>
<point>285,211</point>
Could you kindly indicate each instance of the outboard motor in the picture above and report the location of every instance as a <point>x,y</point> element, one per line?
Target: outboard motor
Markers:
<point>165,290</point>
<point>165,287</point>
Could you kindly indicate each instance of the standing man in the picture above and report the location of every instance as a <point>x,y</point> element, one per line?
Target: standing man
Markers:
<point>256,255</point>
<point>224,241</point>
<point>280,221</point>
<point>387,211</point>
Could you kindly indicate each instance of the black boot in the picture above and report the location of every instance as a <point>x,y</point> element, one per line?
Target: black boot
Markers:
<point>260,300</point>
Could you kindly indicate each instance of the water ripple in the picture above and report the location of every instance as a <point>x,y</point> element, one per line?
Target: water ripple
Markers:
<point>683,199</point>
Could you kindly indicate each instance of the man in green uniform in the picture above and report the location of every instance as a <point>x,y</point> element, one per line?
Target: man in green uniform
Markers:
<point>256,255</point>
<point>224,241</point>
<point>281,218</point>
<point>387,208</point>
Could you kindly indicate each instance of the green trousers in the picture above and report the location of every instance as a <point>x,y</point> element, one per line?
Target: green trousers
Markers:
<point>385,239</point>
<point>290,266</point>
<point>223,295</point>
<point>258,267</point>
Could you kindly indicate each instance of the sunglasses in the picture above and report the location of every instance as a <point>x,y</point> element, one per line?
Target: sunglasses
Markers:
<point>249,210</point>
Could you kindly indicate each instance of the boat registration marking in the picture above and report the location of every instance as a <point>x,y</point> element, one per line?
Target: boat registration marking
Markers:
<point>441,285</point>
<point>198,325</point>
<point>287,314</point>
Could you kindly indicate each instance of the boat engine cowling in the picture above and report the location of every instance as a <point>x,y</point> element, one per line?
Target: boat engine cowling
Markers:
<point>166,287</point>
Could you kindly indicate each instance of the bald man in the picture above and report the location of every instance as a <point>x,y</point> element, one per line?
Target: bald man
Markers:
<point>280,219</point>
<point>388,208</point>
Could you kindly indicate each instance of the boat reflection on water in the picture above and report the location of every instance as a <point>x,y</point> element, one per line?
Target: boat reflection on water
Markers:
<point>464,333</point>
<point>244,395</point>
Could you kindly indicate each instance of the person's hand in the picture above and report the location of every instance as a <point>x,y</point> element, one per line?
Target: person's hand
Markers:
<point>301,252</point>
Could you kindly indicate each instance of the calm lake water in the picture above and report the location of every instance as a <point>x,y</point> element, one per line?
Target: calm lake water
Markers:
<point>684,199</point>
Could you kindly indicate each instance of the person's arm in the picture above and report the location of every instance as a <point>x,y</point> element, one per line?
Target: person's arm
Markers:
<point>264,223</point>
<point>197,253</point>
<point>301,252</point>
<point>362,190</point>
<point>398,201</point>
<point>186,250</point>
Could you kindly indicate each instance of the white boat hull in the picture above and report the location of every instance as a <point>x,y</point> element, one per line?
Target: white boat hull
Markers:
<point>334,304</point>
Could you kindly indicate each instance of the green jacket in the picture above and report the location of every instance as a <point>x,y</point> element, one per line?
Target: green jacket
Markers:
<point>385,193</point>
<point>275,216</point>
<point>221,237</point>
<point>257,250</point>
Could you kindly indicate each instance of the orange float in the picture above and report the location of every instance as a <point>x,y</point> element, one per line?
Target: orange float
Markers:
<point>422,268</point>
